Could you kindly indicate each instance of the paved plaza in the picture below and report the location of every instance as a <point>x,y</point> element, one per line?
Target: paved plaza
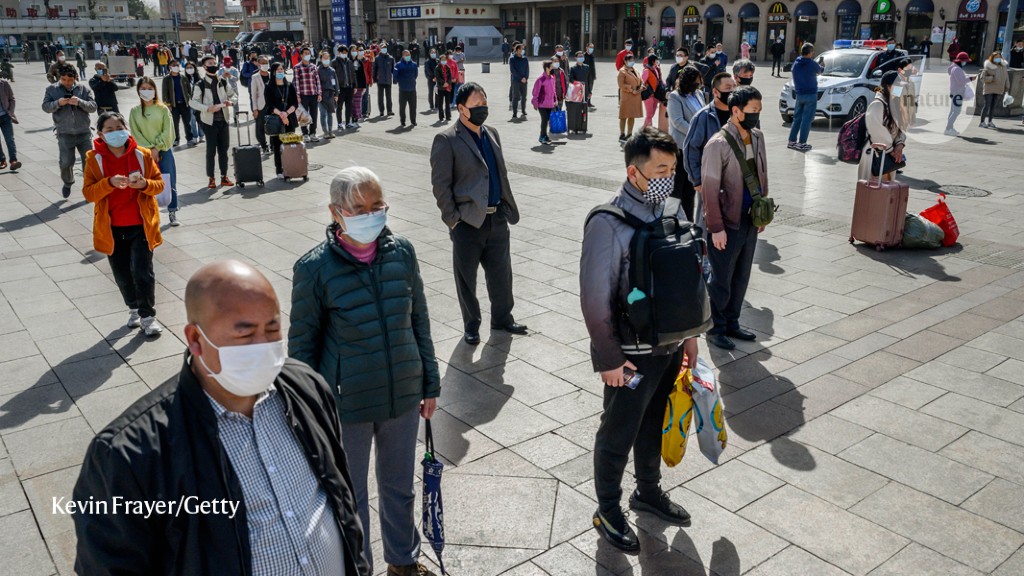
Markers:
<point>876,426</point>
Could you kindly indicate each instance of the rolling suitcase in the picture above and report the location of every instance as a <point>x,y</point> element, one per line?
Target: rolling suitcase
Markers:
<point>247,159</point>
<point>879,211</point>
<point>576,116</point>
<point>294,160</point>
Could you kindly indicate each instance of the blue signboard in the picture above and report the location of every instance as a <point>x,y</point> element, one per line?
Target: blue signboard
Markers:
<point>403,12</point>
<point>342,27</point>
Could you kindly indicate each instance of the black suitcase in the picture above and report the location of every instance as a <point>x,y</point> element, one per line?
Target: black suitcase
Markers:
<point>576,116</point>
<point>248,159</point>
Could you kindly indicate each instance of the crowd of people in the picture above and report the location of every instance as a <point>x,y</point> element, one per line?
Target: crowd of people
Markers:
<point>284,423</point>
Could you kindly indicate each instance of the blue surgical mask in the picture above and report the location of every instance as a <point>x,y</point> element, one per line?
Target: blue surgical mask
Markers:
<point>365,228</point>
<point>580,59</point>
<point>279,75</point>
<point>890,46</point>
<point>407,58</point>
<point>116,138</point>
<point>997,60</point>
<point>433,56</point>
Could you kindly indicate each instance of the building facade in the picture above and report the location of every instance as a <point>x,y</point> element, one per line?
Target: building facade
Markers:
<point>979,24</point>
<point>192,10</point>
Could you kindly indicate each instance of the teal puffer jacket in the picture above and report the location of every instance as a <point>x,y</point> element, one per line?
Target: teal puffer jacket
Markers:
<point>365,327</point>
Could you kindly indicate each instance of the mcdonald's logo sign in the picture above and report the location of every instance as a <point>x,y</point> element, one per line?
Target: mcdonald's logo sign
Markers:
<point>691,15</point>
<point>691,11</point>
<point>778,13</point>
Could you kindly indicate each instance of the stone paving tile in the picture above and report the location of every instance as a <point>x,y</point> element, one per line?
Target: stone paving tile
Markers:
<point>794,560</point>
<point>806,346</point>
<point>828,433</point>
<point>814,471</point>
<point>528,569</point>
<point>565,560</point>
<point>525,501</point>
<point>1001,501</point>
<point>972,359</point>
<point>569,519</point>
<point>848,541</point>
<point>750,369</point>
<point>961,535</point>
<point>48,447</point>
<point>19,532</point>
<point>966,326</point>
<point>102,407</point>
<point>738,401</point>
<point>853,327</point>
<point>920,469</point>
<point>485,561</point>
<point>916,559</point>
<point>1015,565</point>
<point>57,529</point>
<point>907,392</point>
<point>876,369</point>
<point>901,423</point>
<point>1000,344</point>
<point>969,383</point>
<point>574,406</point>
<point>504,464</point>
<point>761,424</point>
<point>815,368</point>
<point>990,454</point>
<point>992,420</point>
<point>34,407</point>
<point>530,385</point>
<point>25,373</point>
<point>733,485</point>
<point>548,450</point>
<point>925,345</point>
<point>1009,370</point>
<point>820,395</point>
<point>16,345</point>
<point>12,497</point>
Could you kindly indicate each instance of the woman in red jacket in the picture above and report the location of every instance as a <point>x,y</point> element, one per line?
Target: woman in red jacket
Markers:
<point>123,181</point>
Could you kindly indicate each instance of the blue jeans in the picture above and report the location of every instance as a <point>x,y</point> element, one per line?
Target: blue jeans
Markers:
<point>166,165</point>
<point>803,116</point>
<point>7,127</point>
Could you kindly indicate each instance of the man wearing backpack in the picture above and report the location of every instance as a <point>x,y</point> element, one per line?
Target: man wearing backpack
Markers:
<point>633,414</point>
<point>732,158</point>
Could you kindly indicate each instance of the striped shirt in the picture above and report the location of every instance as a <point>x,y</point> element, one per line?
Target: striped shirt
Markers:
<point>292,530</point>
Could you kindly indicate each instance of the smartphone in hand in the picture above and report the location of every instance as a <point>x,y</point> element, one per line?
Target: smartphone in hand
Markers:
<point>632,379</point>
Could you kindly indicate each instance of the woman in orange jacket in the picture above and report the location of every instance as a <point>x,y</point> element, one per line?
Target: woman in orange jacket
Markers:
<point>123,181</point>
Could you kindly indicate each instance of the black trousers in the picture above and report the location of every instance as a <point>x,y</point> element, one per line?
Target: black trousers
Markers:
<point>261,129</point>
<point>180,112</point>
<point>313,107</point>
<point>486,246</point>
<point>218,141</point>
<point>384,98</point>
<point>545,119</point>
<point>345,101</point>
<point>632,419</point>
<point>132,265</point>
<point>519,99</point>
<point>431,92</point>
<point>776,63</point>
<point>683,189</point>
<point>407,99</point>
<point>444,105</point>
<point>730,275</point>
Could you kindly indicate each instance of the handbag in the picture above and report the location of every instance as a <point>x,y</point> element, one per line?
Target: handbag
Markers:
<point>272,125</point>
<point>887,165</point>
<point>762,210</point>
<point>302,115</point>
<point>559,122</point>
<point>940,214</point>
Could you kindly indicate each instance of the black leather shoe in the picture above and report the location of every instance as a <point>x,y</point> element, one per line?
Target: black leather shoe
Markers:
<point>512,328</point>
<point>617,531</point>
<point>471,338</point>
<point>663,507</point>
<point>721,341</point>
<point>741,334</point>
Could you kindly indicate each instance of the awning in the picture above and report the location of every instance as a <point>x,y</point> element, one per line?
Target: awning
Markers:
<point>920,7</point>
<point>807,8</point>
<point>1005,6</point>
<point>849,8</point>
<point>750,11</point>
<point>714,12</point>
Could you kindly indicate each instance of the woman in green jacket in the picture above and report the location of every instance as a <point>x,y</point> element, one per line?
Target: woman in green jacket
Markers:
<point>151,124</point>
<point>359,318</point>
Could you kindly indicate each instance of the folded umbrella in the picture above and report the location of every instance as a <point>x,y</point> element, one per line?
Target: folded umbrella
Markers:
<point>433,507</point>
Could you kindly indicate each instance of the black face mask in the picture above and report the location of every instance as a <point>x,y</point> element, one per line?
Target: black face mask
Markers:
<point>745,81</point>
<point>749,121</point>
<point>211,70</point>
<point>478,115</point>
<point>723,97</point>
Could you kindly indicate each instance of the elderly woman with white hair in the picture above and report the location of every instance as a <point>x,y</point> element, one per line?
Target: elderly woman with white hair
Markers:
<point>359,318</point>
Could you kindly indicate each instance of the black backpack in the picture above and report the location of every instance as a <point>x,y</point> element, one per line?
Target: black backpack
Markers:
<point>668,299</point>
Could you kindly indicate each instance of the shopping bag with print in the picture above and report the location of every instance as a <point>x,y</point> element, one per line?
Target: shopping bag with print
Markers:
<point>708,417</point>
<point>940,214</point>
<point>675,429</point>
<point>559,122</point>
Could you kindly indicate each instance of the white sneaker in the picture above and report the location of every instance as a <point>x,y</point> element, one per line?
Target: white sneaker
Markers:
<point>151,327</point>
<point>951,132</point>
<point>314,138</point>
<point>134,320</point>
<point>172,216</point>
<point>281,177</point>
<point>306,138</point>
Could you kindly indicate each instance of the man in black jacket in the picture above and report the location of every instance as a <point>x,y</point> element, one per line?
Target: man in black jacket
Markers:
<point>588,59</point>
<point>236,462</point>
<point>104,89</point>
<point>342,65</point>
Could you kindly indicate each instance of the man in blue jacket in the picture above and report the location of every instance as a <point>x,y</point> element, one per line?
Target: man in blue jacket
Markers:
<point>405,73</point>
<point>520,69</point>
<point>705,124</point>
<point>805,83</point>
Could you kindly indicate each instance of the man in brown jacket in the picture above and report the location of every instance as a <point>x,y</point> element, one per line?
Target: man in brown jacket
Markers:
<point>7,122</point>
<point>727,202</point>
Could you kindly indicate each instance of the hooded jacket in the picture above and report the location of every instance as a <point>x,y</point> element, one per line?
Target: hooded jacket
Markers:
<point>995,79</point>
<point>365,327</point>
<point>544,92</point>
<point>97,189</point>
<point>165,447</point>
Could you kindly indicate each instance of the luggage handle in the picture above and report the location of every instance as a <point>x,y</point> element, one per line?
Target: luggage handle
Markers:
<point>880,154</point>
<point>238,128</point>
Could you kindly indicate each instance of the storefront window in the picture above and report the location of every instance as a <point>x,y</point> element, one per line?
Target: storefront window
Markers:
<point>972,23</point>
<point>1018,33</point>
<point>691,28</point>
<point>806,15</point>
<point>668,31</point>
<point>778,21</point>
<point>883,20</point>
<point>750,16</point>
<point>715,16</point>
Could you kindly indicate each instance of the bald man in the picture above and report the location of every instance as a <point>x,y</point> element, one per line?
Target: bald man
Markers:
<point>234,466</point>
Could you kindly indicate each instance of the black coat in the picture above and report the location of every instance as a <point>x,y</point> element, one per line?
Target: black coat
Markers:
<point>165,447</point>
<point>105,93</point>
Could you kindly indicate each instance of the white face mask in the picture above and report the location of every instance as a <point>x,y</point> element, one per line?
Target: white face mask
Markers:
<point>679,59</point>
<point>265,67</point>
<point>248,369</point>
<point>558,53</point>
<point>556,65</point>
<point>147,95</point>
<point>325,62</point>
<point>175,69</point>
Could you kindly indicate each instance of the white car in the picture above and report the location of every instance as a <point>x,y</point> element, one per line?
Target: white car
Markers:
<point>848,83</point>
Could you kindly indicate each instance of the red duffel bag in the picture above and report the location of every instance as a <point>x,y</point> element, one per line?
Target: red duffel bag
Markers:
<point>940,214</point>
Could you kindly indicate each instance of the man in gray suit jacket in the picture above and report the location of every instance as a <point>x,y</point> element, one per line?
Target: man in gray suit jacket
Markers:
<point>470,182</point>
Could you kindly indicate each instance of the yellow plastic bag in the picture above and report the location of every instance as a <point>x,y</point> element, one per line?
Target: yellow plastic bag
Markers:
<point>675,429</point>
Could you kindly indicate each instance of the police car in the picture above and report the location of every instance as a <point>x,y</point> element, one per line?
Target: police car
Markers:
<point>852,72</point>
